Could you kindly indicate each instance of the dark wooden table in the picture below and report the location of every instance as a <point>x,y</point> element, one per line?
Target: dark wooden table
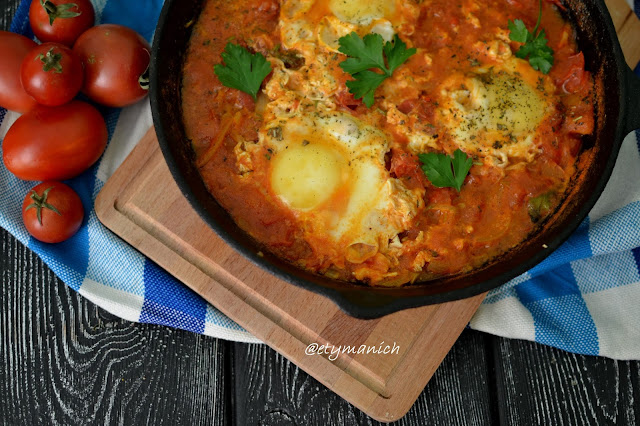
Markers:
<point>65,361</point>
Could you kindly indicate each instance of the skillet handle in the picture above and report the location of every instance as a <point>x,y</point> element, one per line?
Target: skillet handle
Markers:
<point>632,89</point>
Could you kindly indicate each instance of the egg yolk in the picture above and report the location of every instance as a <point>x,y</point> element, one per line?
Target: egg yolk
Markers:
<point>361,12</point>
<point>307,174</point>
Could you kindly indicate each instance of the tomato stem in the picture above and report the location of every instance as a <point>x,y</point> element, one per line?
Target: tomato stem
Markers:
<point>40,202</point>
<point>59,11</point>
<point>143,80</point>
<point>51,61</point>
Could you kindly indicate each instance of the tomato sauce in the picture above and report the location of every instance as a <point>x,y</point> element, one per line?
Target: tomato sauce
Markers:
<point>452,232</point>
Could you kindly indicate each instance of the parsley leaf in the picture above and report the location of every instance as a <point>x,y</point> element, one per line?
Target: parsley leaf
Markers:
<point>518,31</point>
<point>365,84</point>
<point>369,53</point>
<point>444,171</point>
<point>242,70</point>
<point>365,52</point>
<point>397,53</point>
<point>535,43</point>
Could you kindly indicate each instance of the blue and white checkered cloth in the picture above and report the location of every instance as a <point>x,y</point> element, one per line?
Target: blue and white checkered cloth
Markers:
<point>584,298</point>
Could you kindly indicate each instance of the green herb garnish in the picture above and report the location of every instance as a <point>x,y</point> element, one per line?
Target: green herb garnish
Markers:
<point>539,206</point>
<point>369,53</point>
<point>444,171</point>
<point>242,70</point>
<point>535,43</point>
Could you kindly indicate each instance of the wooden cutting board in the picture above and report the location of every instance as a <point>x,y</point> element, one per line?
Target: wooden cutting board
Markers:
<point>143,205</point>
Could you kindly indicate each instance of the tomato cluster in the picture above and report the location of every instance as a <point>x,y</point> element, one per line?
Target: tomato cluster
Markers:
<point>57,137</point>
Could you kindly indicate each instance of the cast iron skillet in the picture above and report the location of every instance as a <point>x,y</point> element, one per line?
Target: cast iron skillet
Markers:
<point>618,95</point>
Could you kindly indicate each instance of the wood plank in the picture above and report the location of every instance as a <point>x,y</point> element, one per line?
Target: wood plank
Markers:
<point>65,361</point>
<point>544,385</point>
<point>619,11</point>
<point>628,36</point>
<point>140,203</point>
<point>627,26</point>
<point>272,390</point>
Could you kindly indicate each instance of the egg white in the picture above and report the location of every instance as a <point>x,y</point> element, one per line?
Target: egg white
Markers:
<point>308,24</point>
<point>329,169</point>
<point>493,114</point>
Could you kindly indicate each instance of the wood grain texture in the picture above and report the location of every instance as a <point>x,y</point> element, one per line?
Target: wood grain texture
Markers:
<point>65,361</point>
<point>543,385</point>
<point>619,11</point>
<point>628,35</point>
<point>627,27</point>
<point>7,10</point>
<point>458,393</point>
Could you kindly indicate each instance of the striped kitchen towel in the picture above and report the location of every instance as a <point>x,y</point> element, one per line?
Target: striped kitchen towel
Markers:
<point>584,298</point>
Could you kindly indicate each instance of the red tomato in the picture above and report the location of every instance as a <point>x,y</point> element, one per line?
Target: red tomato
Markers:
<point>13,49</point>
<point>570,74</point>
<point>52,212</point>
<point>52,74</point>
<point>407,165</point>
<point>346,98</point>
<point>55,143</point>
<point>60,21</point>
<point>116,64</point>
<point>423,107</point>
